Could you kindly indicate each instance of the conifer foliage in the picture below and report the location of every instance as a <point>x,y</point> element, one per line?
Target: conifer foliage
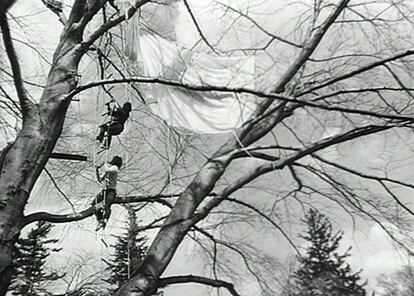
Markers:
<point>30,277</point>
<point>129,250</point>
<point>323,271</point>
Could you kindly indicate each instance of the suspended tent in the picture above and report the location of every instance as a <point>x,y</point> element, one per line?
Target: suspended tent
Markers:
<point>160,56</point>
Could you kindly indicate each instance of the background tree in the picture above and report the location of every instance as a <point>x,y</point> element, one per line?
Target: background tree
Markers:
<point>323,271</point>
<point>334,79</point>
<point>30,276</point>
<point>83,276</point>
<point>128,251</point>
<point>398,283</point>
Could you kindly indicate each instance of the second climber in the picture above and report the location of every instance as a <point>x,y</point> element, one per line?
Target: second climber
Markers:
<point>115,126</point>
<point>105,198</point>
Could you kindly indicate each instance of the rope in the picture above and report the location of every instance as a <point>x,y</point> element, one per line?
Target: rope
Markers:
<point>129,254</point>
<point>127,142</point>
<point>95,161</point>
<point>104,202</point>
<point>105,140</point>
<point>95,154</point>
<point>128,95</point>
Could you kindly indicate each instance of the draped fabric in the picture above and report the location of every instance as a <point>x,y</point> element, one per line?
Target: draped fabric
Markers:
<point>205,112</point>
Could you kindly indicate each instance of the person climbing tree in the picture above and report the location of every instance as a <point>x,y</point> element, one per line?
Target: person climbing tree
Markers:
<point>115,126</point>
<point>105,198</point>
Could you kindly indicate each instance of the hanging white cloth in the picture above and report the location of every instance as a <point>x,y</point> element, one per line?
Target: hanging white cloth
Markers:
<point>201,112</point>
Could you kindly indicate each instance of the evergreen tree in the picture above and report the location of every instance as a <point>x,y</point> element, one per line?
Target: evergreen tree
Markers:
<point>323,271</point>
<point>129,250</point>
<point>29,276</point>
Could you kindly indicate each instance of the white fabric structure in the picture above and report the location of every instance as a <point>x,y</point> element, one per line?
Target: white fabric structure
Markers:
<point>200,112</point>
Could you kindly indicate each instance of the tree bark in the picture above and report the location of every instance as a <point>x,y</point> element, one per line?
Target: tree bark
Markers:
<point>24,159</point>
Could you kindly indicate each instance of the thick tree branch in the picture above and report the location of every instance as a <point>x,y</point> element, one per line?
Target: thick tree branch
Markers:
<point>56,7</point>
<point>92,9</point>
<point>77,11</point>
<point>254,131</point>
<point>272,96</point>
<point>77,216</point>
<point>24,100</point>
<point>183,279</point>
<point>112,23</point>
<point>310,47</point>
<point>59,218</point>
<point>361,91</point>
<point>5,5</point>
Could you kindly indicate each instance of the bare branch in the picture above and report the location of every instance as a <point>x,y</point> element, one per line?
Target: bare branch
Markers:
<point>236,250</point>
<point>60,190</point>
<point>12,102</point>
<point>24,100</point>
<point>358,71</point>
<point>272,36</point>
<point>119,71</point>
<point>262,169</point>
<point>198,26</point>
<point>380,180</point>
<point>279,228</point>
<point>361,174</point>
<point>355,202</point>
<point>171,280</point>
<point>10,75</point>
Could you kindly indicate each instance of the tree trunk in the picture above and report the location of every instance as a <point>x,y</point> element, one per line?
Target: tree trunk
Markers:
<point>144,281</point>
<point>24,159</point>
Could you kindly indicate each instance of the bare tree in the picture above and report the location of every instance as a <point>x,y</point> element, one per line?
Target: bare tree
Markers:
<point>398,283</point>
<point>341,64</point>
<point>82,277</point>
